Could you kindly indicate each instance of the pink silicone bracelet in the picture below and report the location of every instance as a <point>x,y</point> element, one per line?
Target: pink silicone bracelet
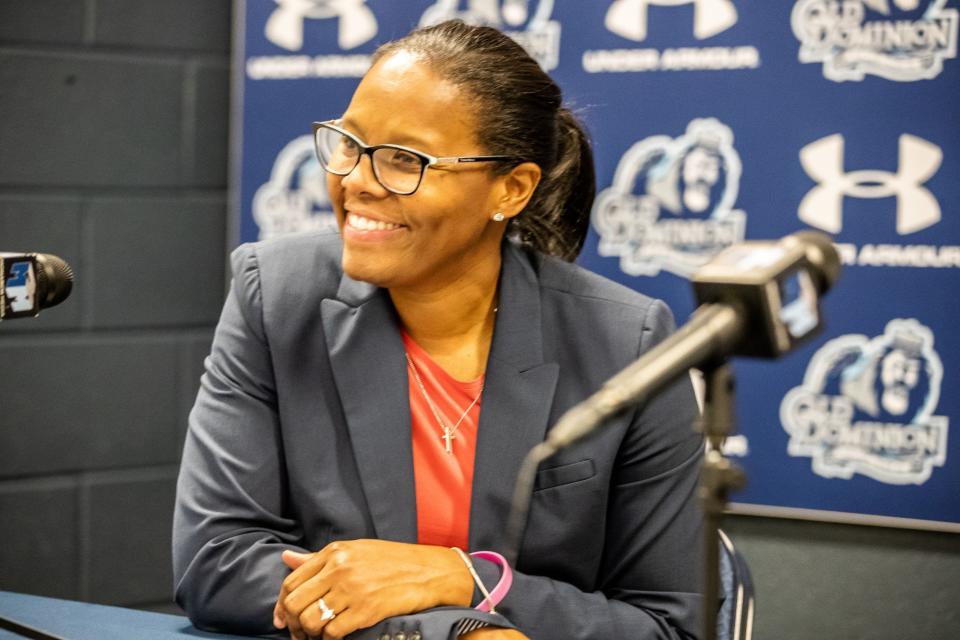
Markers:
<point>499,592</point>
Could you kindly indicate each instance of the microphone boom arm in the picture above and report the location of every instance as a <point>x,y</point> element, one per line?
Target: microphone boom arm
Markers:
<point>713,330</point>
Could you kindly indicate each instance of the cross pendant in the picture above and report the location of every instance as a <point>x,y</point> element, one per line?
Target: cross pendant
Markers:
<point>448,437</point>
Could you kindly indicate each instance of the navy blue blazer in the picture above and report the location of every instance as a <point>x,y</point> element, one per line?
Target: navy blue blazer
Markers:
<point>301,436</point>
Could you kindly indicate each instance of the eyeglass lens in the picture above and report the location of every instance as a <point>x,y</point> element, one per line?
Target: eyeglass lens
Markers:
<point>396,169</point>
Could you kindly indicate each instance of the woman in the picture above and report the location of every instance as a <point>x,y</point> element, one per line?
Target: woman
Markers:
<point>370,395</point>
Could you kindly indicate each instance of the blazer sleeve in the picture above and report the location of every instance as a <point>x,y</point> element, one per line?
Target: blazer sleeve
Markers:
<point>229,527</point>
<point>440,623</point>
<point>649,585</point>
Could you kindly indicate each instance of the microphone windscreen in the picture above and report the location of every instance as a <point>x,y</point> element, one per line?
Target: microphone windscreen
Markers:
<point>54,280</point>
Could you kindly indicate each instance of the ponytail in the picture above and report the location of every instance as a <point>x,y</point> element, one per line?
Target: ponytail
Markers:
<point>556,219</point>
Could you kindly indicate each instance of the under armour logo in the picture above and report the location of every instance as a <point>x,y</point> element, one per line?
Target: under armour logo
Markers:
<point>285,26</point>
<point>628,18</point>
<point>917,209</point>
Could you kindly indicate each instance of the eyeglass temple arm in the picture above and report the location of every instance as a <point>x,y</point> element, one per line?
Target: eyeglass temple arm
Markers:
<point>457,159</point>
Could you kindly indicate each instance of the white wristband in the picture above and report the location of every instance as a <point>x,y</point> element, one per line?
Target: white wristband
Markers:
<point>476,578</point>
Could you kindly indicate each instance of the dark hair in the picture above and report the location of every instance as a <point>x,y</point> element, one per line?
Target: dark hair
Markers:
<point>519,114</point>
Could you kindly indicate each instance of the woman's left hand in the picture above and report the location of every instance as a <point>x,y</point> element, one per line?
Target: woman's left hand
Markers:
<point>364,582</point>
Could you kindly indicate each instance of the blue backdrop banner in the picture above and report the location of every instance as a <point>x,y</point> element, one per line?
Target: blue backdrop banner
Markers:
<point>713,121</point>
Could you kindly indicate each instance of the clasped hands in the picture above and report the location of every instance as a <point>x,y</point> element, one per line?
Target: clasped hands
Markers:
<point>365,581</point>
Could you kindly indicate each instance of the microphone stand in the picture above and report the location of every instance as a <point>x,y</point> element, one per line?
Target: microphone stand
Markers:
<point>719,477</point>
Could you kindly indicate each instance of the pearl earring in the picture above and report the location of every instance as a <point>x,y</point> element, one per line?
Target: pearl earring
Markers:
<point>498,216</point>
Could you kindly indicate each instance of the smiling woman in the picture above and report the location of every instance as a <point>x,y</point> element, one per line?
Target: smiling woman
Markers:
<point>371,394</point>
<point>442,231</point>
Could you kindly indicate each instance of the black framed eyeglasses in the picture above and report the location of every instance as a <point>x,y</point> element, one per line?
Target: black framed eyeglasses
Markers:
<point>397,168</point>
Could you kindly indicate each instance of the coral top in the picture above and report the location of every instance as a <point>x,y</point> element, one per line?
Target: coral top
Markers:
<point>443,481</point>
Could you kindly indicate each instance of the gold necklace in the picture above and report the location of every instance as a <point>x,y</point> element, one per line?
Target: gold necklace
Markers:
<point>448,433</point>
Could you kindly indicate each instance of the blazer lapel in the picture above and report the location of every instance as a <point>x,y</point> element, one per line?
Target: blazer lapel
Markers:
<point>517,398</point>
<point>367,358</point>
<point>366,355</point>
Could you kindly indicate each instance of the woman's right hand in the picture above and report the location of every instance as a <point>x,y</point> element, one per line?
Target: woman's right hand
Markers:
<point>364,582</point>
<point>494,633</point>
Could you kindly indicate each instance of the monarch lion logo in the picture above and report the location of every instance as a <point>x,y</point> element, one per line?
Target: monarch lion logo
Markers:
<point>671,203</point>
<point>867,406</point>
<point>526,21</point>
<point>295,198</point>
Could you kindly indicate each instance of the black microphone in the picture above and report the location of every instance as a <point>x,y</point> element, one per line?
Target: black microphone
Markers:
<point>30,282</point>
<point>757,298</point>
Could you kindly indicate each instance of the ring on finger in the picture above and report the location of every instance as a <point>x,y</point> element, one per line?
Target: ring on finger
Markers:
<point>326,613</point>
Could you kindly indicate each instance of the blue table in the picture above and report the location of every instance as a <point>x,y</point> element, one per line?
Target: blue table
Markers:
<point>83,621</point>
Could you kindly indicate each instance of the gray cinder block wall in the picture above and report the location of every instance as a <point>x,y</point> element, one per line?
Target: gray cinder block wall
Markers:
<point>113,120</point>
<point>113,155</point>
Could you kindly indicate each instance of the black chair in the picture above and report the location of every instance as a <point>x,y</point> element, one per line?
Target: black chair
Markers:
<point>735,620</point>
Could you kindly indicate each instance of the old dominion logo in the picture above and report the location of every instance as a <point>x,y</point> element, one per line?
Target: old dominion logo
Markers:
<point>670,206</point>
<point>526,21</point>
<point>867,406</point>
<point>900,40</point>
<point>295,198</point>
